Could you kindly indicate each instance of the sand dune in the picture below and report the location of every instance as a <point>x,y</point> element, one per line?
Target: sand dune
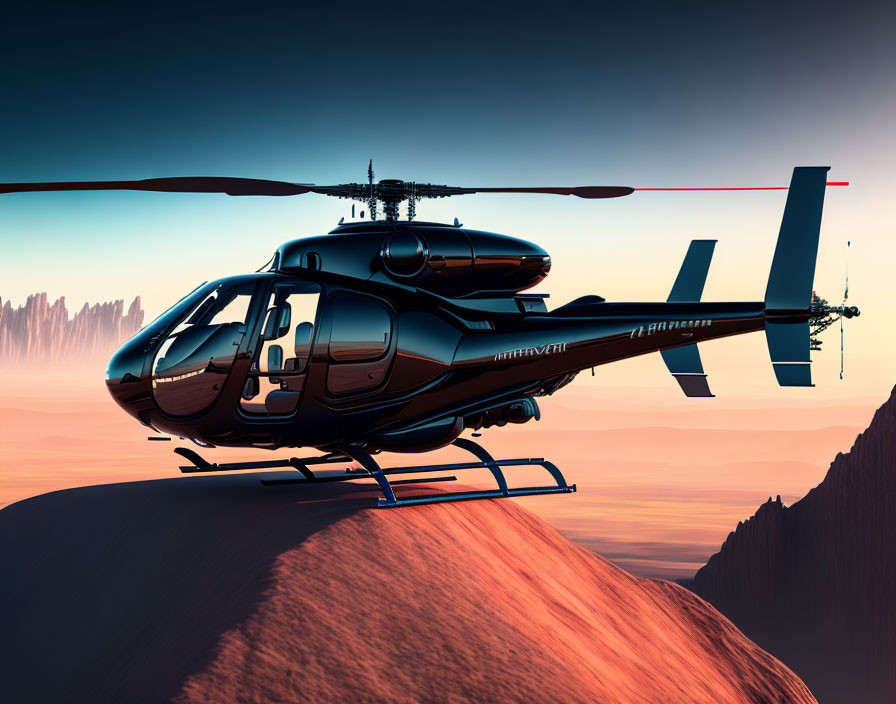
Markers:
<point>216,589</point>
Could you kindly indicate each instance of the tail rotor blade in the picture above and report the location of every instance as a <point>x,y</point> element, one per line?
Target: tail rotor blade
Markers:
<point>846,290</point>
<point>841,347</point>
<point>843,309</point>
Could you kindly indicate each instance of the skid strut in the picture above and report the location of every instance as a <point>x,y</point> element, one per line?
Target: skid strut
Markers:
<point>371,469</point>
<point>485,461</point>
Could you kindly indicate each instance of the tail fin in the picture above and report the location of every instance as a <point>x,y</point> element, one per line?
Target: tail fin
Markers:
<point>688,286</point>
<point>789,290</point>
<point>793,267</point>
<point>684,362</point>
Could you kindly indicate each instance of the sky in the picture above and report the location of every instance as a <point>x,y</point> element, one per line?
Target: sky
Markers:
<point>689,94</point>
<point>472,94</point>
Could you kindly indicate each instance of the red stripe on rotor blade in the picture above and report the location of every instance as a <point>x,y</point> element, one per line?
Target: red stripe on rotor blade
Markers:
<point>738,188</point>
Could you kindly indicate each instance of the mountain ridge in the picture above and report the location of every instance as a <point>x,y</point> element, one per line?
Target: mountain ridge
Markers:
<point>814,583</point>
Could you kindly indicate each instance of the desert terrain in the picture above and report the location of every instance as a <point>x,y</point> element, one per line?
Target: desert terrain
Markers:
<point>659,486</point>
<point>216,589</point>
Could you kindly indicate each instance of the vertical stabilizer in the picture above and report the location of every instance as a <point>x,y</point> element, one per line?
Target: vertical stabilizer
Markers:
<point>789,290</point>
<point>684,362</point>
<point>688,286</point>
<point>793,267</point>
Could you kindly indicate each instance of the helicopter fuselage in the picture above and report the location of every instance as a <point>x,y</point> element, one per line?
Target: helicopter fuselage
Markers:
<point>388,336</point>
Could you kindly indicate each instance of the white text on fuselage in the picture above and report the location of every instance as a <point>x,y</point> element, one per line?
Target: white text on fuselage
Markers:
<point>552,348</point>
<point>663,326</point>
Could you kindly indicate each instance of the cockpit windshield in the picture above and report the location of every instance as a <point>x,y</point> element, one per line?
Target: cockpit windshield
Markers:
<point>191,365</point>
<point>183,303</point>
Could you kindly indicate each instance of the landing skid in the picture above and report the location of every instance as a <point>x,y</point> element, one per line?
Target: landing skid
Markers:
<point>379,474</point>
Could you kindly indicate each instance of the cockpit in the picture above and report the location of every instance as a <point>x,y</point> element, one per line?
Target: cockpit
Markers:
<point>189,351</point>
<point>247,348</point>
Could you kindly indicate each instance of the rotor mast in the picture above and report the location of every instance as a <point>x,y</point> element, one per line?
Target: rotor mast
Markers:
<point>391,192</point>
<point>371,193</point>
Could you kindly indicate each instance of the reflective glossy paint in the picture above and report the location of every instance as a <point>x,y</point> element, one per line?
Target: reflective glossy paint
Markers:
<point>419,330</point>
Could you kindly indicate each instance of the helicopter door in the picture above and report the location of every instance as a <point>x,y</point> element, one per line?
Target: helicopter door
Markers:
<point>277,374</point>
<point>360,345</point>
<point>191,366</point>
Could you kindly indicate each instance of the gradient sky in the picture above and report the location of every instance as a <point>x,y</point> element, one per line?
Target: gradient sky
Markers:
<point>640,94</point>
<point>461,93</point>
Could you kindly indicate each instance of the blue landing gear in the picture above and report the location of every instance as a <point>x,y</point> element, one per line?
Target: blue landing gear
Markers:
<point>371,469</point>
<point>485,461</point>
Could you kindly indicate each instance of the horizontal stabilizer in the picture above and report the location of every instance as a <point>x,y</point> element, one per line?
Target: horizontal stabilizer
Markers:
<point>788,346</point>
<point>688,286</point>
<point>686,367</point>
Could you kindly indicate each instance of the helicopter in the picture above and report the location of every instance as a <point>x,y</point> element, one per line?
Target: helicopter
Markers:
<point>397,335</point>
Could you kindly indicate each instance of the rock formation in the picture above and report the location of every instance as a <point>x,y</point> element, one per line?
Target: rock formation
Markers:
<point>41,332</point>
<point>217,589</point>
<point>815,583</point>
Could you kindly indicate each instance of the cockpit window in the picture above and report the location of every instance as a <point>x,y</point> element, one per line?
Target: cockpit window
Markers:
<point>288,326</point>
<point>236,311</point>
<point>283,350</point>
<point>183,304</point>
<point>191,366</point>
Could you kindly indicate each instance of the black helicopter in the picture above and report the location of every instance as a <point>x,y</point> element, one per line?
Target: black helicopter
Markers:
<point>396,336</point>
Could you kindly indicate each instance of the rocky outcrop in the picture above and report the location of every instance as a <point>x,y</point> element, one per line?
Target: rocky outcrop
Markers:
<point>217,590</point>
<point>815,583</point>
<point>44,332</point>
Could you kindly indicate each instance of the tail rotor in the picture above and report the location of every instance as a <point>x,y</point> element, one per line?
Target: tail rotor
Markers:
<point>845,310</point>
<point>822,316</point>
<point>845,297</point>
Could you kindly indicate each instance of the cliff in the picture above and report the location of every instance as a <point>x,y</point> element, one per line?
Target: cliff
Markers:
<point>41,332</point>
<point>217,589</point>
<point>815,583</point>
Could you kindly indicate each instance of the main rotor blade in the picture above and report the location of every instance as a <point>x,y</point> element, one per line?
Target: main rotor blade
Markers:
<point>737,188</point>
<point>580,191</point>
<point>179,184</point>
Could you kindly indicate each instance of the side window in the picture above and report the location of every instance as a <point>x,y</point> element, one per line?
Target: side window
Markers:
<point>360,339</point>
<point>287,330</point>
<point>361,329</point>
<point>277,375</point>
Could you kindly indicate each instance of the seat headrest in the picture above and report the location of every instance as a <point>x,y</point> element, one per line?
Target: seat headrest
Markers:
<point>275,358</point>
<point>303,338</point>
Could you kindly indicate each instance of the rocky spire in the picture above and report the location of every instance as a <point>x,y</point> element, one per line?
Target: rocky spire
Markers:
<point>40,332</point>
<point>815,583</point>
